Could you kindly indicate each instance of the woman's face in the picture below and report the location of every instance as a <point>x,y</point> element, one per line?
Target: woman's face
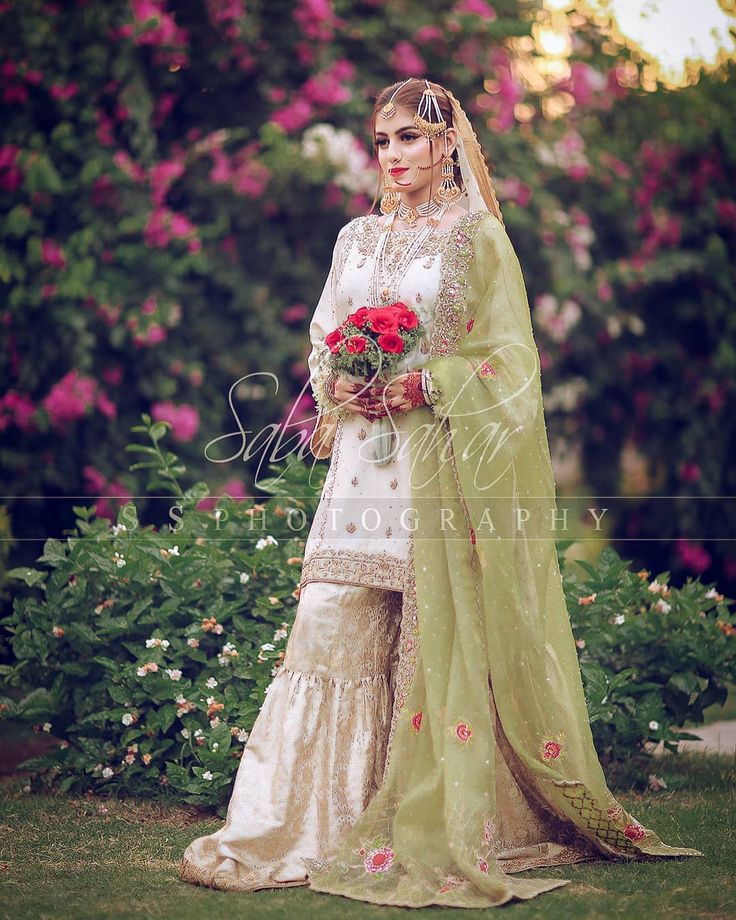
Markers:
<point>404,155</point>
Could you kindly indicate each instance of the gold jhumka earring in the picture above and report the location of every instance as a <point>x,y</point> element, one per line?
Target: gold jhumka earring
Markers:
<point>448,190</point>
<point>390,200</point>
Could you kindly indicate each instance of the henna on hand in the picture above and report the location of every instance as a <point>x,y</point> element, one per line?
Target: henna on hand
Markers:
<point>412,391</point>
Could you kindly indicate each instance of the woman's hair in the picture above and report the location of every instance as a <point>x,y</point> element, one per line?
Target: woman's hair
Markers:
<point>408,96</point>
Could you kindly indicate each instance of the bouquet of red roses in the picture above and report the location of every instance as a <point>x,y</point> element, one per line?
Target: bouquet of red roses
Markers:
<point>373,340</point>
<point>369,344</point>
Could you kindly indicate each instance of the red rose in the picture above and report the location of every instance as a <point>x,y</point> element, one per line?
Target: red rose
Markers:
<point>355,344</point>
<point>392,342</point>
<point>407,319</point>
<point>359,317</point>
<point>551,749</point>
<point>463,731</point>
<point>634,831</point>
<point>416,721</point>
<point>334,340</point>
<point>383,320</point>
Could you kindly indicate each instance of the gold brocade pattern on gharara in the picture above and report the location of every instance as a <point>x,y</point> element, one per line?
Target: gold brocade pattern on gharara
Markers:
<point>316,753</point>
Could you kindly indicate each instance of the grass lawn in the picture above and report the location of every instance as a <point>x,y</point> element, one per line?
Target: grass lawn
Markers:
<point>91,858</point>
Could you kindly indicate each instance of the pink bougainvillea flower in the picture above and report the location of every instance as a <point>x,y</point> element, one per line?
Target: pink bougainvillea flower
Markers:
<point>69,399</point>
<point>293,117</point>
<point>476,8</point>
<point>316,19</point>
<point>693,556</point>
<point>17,409</point>
<point>64,91</point>
<point>53,254</point>
<point>155,334</point>
<point>105,405</point>
<point>405,60</point>
<point>162,176</point>
<point>184,419</point>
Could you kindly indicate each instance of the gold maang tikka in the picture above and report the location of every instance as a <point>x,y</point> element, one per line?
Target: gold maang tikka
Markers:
<point>389,110</point>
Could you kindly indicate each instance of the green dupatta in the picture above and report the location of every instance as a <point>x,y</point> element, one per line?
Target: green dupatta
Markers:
<point>490,657</point>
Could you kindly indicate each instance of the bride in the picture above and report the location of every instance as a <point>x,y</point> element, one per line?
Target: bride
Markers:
<point>426,739</point>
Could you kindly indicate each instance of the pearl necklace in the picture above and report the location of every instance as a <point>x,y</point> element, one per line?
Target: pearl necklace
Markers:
<point>394,278</point>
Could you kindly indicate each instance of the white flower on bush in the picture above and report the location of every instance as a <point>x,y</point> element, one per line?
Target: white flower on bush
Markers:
<point>119,560</point>
<point>712,593</point>
<point>107,772</point>
<point>619,619</point>
<point>268,647</point>
<point>353,168</point>
<point>662,606</point>
<point>207,775</point>
<point>215,746</point>
<point>214,721</point>
<point>281,632</point>
<point>174,551</point>
<point>198,733</point>
<point>118,529</point>
<point>212,682</point>
<point>653,725</point>
<point>128,718</point>
<point>174,673</point>
<point>244,578</point>
<point>130,757</point>
<point>144,669</point>
<point>46,726</point>
<point>155,642</point>
<point>193,642</point>
<point>228,651</point>
<point>243,735</point>
<point>266,541</point>
<point>185,733</point>
<point>656,588</point>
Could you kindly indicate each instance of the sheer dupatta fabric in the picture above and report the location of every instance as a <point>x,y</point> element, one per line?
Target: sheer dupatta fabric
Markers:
<point>491,654</point>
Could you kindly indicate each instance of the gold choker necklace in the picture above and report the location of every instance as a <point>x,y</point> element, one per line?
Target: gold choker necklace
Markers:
<point>410,215</point>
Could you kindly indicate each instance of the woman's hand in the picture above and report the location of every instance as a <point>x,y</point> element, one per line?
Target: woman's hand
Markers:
<point>374,401</point>
<point>401,394</point>
<point>353,397</point>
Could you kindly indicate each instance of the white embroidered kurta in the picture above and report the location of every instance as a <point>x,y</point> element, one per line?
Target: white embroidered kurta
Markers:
<point>361,531</point>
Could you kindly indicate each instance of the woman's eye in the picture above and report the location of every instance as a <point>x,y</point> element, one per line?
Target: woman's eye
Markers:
<point>409,137</point>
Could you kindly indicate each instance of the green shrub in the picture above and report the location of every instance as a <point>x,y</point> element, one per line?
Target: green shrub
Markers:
<point>652,658</point>
<point>148,652</point>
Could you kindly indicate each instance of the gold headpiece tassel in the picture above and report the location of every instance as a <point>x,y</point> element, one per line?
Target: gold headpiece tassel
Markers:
<point>475,156</point>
